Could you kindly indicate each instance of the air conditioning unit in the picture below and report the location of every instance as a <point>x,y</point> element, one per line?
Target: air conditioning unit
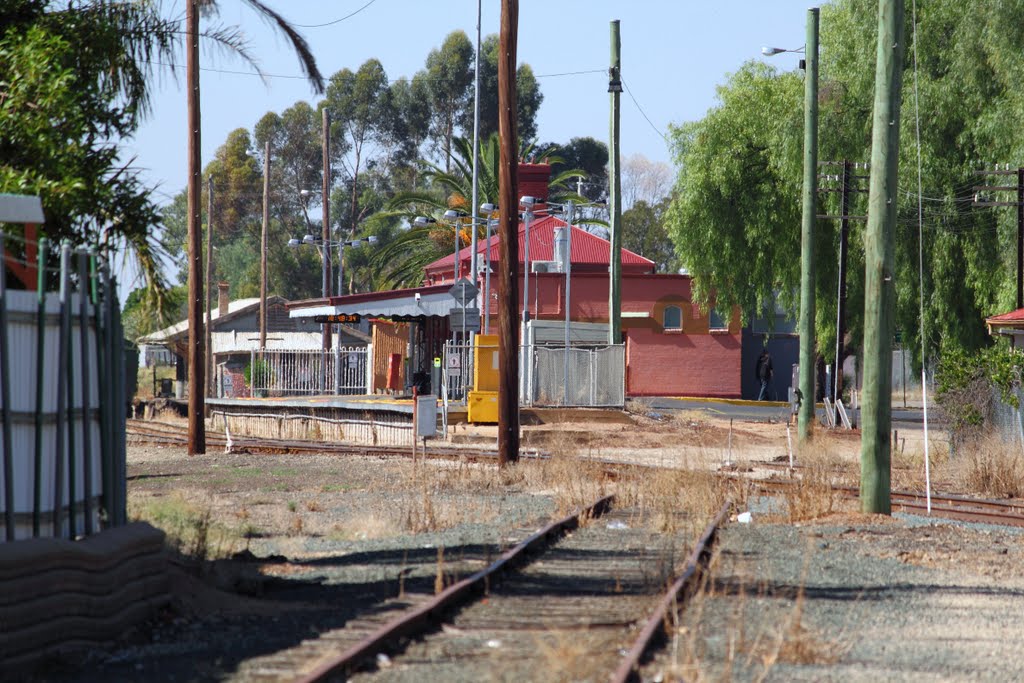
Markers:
<point>544,267</point>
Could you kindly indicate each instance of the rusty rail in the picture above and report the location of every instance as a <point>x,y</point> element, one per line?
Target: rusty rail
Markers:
<point>425,617</point>
<point>655,626</point>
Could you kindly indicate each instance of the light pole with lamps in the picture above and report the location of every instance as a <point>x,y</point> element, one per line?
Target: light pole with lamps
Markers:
<point>326,247</point>
<point>805,417</point>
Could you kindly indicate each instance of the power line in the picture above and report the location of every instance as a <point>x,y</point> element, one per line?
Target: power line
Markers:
<point>256,74</point>
<point>641,109</point>
<point>336,21</point>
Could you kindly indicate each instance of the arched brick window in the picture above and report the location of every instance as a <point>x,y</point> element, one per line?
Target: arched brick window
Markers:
<point>672,318</point>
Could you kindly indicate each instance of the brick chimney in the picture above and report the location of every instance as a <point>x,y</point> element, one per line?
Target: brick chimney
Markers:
<point>222,299</point>
<point>533,181</point>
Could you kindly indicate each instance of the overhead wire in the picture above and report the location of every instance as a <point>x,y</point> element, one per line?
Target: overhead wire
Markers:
<point>336,21</point>
<point>641,110</point>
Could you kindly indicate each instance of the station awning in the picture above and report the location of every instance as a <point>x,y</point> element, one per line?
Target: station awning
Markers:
<point>397,304</point>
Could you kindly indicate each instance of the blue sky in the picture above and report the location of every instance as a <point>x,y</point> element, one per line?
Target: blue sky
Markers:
<point>674,54</point>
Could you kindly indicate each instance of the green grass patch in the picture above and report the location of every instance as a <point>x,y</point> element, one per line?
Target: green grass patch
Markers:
<point>189,527</point>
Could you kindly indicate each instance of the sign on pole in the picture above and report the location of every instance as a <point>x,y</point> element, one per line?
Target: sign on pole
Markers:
<point>464,291</point>
<point>465,318</point>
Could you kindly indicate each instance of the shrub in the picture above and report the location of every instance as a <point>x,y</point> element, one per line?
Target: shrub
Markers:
<point>258,371</point>
<point>967,385</point>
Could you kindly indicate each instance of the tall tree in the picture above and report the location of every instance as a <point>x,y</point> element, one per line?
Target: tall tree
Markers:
<point>450,77</point>
<point>644,180</point>
<point>297,171</point>
<point>528,96</point>
<point>588,154</point>
<point>362,117</point>
<point>643,232</point>
<point>736,211</point>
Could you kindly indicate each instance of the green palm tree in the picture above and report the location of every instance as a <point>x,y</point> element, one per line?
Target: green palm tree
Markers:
<point>401,262</point>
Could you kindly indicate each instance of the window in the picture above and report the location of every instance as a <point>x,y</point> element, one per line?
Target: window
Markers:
<point>673,318</point>
<point>716,321</point>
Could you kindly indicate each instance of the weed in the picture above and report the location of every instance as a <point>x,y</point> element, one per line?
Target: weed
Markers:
<point>292,506</point>
<point>813,497</point>
<point>296,527</point>
<point>991,466</point>
<point>189,528</point>
<point>314,506</point>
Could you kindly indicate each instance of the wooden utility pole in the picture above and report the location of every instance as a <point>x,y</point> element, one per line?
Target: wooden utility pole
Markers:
<point>263,247</point>
<point>879,291</point>
<point>614,196</point>
<point>209,284</point>
<point>845,189</point>
<point>805,416</point>
<point>508,244</point>
<point>196,352</point>
<point>325,195</point>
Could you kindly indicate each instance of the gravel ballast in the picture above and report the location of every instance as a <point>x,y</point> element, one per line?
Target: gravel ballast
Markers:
<point>856,598</point>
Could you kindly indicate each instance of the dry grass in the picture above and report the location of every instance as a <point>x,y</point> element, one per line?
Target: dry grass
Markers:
<point>989,466</point>
<point>190,526</point>
<point>752,646</point>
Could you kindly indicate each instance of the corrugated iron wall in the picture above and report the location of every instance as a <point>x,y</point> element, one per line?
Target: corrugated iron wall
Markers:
<point>388,338</point>
<point>62,372</point>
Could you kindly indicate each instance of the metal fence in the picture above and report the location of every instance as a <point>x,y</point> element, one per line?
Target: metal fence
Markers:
<point>341,370</point>
<point>62,372</point>
<point>1007,420</point>
<point>457,380</point>
<point>575,376</point>
<point>550,375</point>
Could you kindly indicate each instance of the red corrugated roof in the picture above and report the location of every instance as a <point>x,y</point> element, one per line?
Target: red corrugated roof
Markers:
<point>588,251</point>
<point>1011,317</point>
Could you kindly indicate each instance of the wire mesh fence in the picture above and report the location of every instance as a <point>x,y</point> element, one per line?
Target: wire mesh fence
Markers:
<point>576,376</point>
<point>549,375</point>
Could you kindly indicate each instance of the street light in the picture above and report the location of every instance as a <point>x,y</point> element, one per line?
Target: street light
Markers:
<point>772,51</point>
<point>806,324</point>
<point>330,244</point>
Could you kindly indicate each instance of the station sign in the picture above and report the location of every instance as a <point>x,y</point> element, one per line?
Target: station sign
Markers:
<point>346,318</point>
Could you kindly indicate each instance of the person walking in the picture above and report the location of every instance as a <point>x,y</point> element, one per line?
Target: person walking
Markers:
<point>764,372</point>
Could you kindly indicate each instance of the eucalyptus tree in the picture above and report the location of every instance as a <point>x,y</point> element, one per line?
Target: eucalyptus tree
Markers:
<point>449,74</point>
<point>297,172</point>
<point>362,119</point>
<point>528,96</point>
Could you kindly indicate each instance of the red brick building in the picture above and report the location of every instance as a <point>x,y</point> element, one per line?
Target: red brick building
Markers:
<point>672,347</point>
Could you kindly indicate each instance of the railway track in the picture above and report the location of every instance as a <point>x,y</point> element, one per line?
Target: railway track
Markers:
<point>590,586</point>
<point>164,434</point>
<point>946,506</point>
<point>960,508</point>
